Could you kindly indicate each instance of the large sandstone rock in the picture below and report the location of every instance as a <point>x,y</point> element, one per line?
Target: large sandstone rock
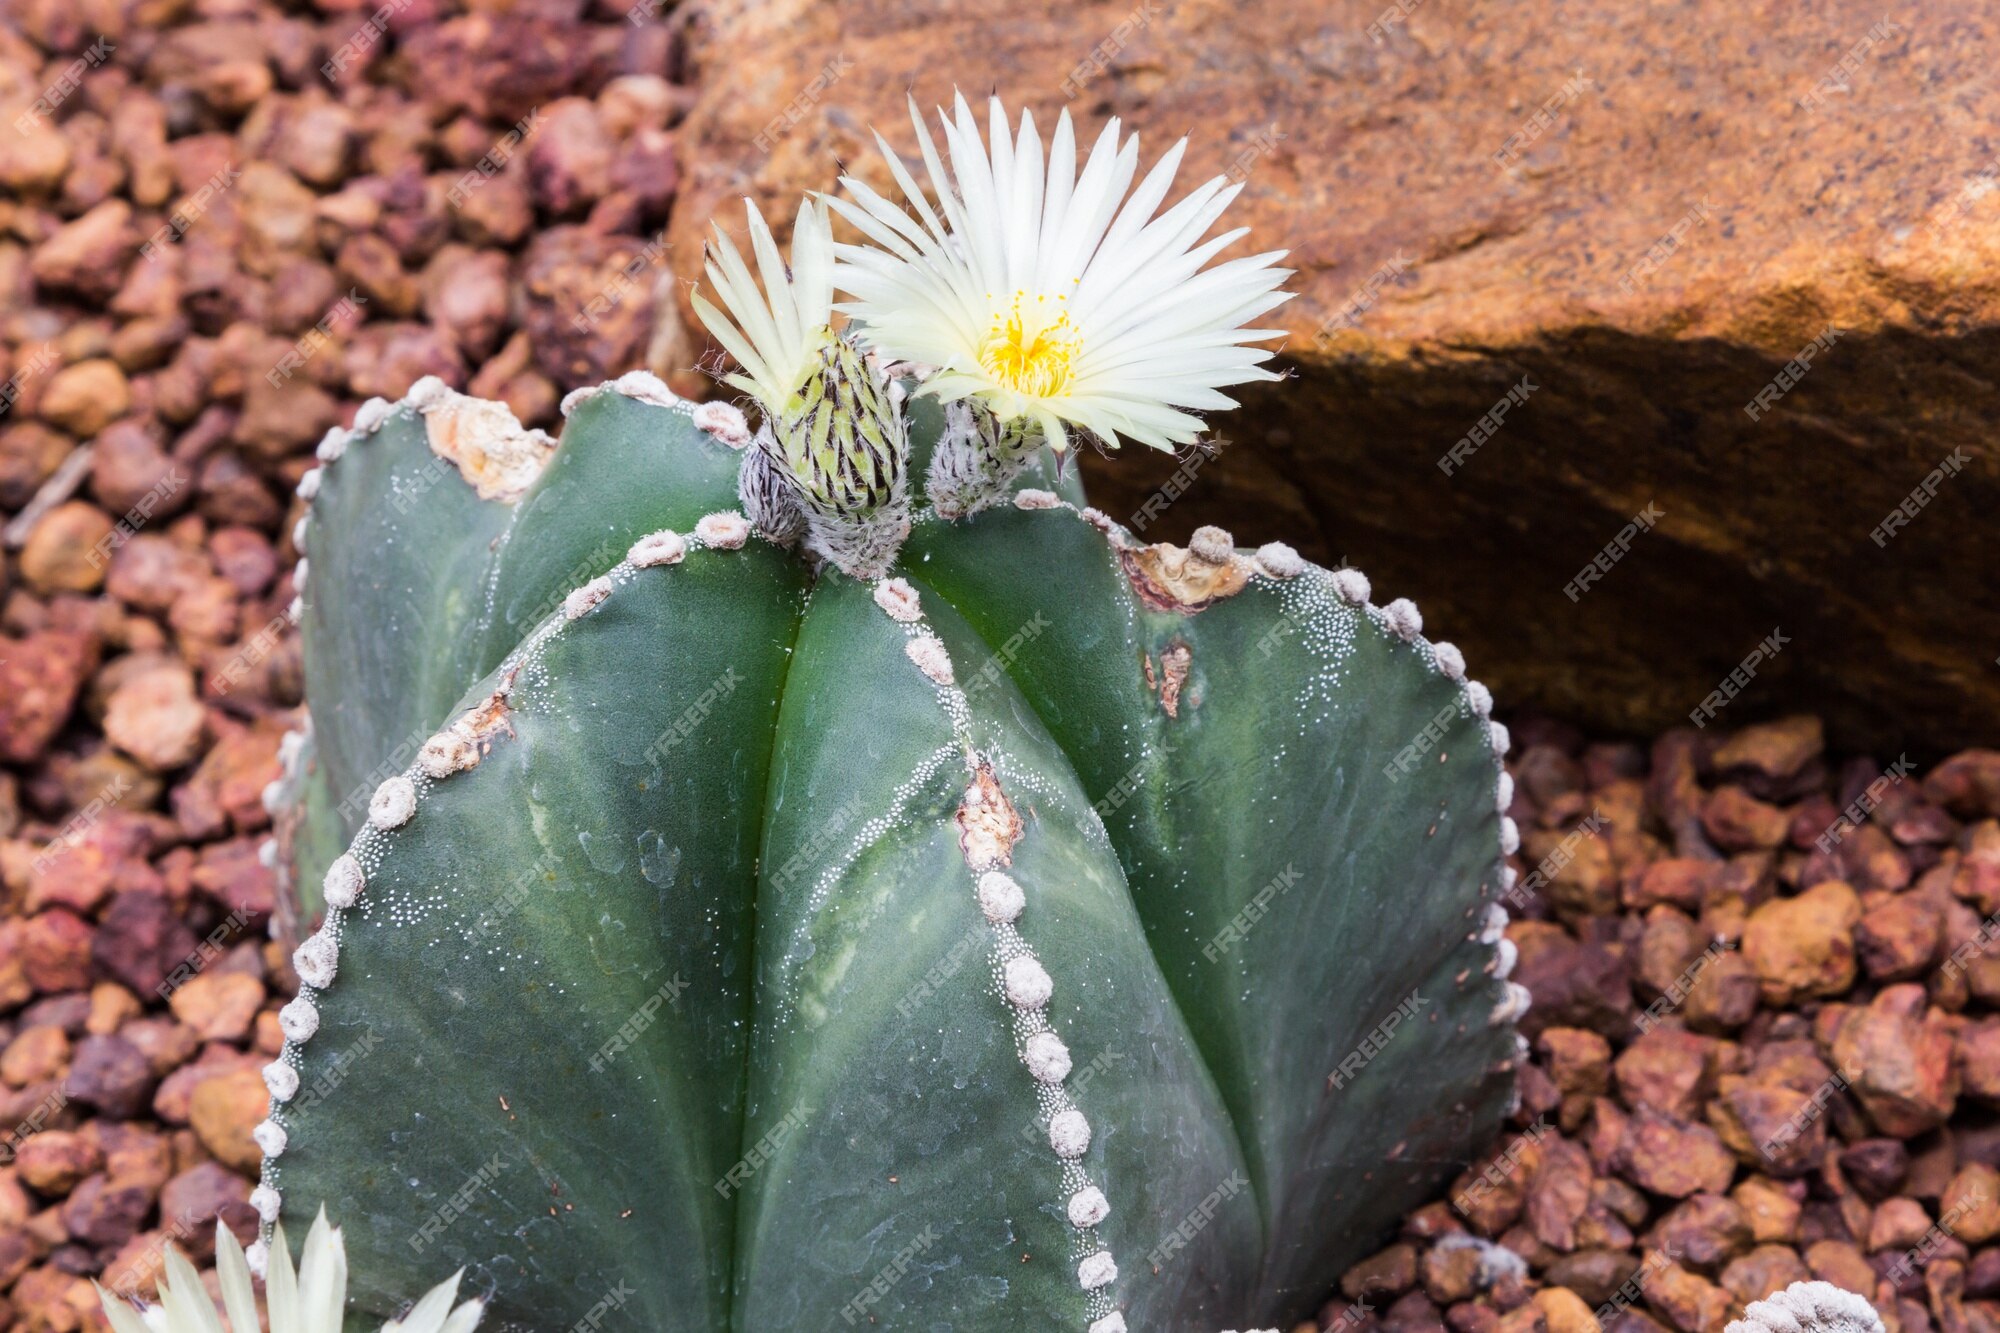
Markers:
<point>1649,251</point>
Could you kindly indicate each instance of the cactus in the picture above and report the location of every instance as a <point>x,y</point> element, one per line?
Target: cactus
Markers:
<point>856,914</point>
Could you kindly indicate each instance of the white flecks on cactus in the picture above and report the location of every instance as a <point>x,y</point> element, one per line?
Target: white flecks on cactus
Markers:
<point>642,385</point>
<point>1506,955</point>
<point>344,881</point>
<point>267,853</point>
<point>1353,586</point>
<point>1503,740</point>
<point>295,609</point>
<point>428,393</point>
<point>1503,791</point>
<point>725,530</point>
<point>282,1079</point>
<point>1000,898</point>
<point>1493,924</point>
<point>1069,1134</point>
<point>899,600</point>
<point>1809,1307</point>
<point>1508,878</point>
<point>368,418</point>
<point>1280,561</point>
<point>393,803</point>
<point>1510,836</point>
<point>258,1257</point>
<point>289,747</point>
<point>1029,985</point>
<point>299,533</point>
<point>270,1136</point>
<point>268,1202</point>
<point>447,753</point>
<point>317,959</point>
<point>1404,620</point>
<point>299,572</point>
<point>1513,1005</point>
<point>1098,519</point>
<point>1097,1270</point>
<point>927,651</point>
<point>1111,1323</point>
<point>1047,1057</point>
<point>582,601</point>
<point>1478,698</point>
<point>665,547</point>
<point>1034,499</point>
<point>298,1020</point>
<point>1450,661</point>
<point>1088,1207</point>
<point>331,446</point>
<point>725,422</point>
<point>308,487</point>
<point>273,797</point>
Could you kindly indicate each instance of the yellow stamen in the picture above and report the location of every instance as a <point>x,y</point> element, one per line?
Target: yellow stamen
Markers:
<point>1030,353</point>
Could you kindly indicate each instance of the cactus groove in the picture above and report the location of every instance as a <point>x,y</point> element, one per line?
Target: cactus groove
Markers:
<point>1059,932</point>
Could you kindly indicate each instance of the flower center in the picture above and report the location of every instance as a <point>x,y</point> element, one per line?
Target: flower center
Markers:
<point>1031,347</point>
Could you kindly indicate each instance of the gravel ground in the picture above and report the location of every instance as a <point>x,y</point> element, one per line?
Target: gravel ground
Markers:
<point>1755,1058</point>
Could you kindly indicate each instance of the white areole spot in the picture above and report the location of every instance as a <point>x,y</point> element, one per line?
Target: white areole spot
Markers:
<point>725,530</point>
<point>725,422</point>
<point>1028,983</point>
<point>1069,1134</point>
<point>586,599</point>
<point>927,651</point>
<point>393,803</point>
<point>899,600</point>
<point>665,547</point>
<point>1000,898</point>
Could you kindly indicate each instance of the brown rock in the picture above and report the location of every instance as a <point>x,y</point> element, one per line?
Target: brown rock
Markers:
<point>112,1075</point>
<point>1723,995</point>
<point>1705,1231</point>
<point>85,398</point>
<point>1979,1059</point>
<point>1737,821</point>
<point>68,550</point>
<point>1897,936</point>
<point>1842,1264</point>
<point>224,1110</point>
<point>156,718</point>
<point>1803,947</point>
<point>37,1055</point>
<point>1897,1225</point>
<point>1764,1270</point>
<point>1451,1274</point>
<point>1668,1070</point>
<point>569,159</point>
<point>1388,1272</point>
<point>52,1161</point>
<point>1565,1311</point>
<point>1776,749</point>
<point>1897,1057</point>
<point>55,952</point>
<point>88,256</point>
<point>1578,1060</point>
<point>1670,1157</point>
<point>1558,1193</point>
<point>1967,784</point>
<point>1972,1201</point>
<point>218,1006</point>
<point>142,940</point>
<point>205,1192</point>
<point>1875,1167</point>
<point>99,1213</point>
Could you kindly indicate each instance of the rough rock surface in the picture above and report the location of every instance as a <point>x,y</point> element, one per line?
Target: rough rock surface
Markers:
<point>1674,213</point>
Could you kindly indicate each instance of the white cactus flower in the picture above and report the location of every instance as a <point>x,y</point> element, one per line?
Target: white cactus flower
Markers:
<point>1058,299</point>
<point>313,1300</point>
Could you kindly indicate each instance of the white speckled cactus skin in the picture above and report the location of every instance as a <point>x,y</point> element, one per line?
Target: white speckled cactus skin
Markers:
<point>1057,931</point>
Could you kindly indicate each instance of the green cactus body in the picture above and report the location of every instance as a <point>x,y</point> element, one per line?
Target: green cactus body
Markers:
<point>1060,933</point>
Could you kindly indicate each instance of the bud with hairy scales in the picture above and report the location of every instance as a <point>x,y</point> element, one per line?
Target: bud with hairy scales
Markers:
<point>770,500</point>
<point>978,457</point>
<point>842,444</point>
